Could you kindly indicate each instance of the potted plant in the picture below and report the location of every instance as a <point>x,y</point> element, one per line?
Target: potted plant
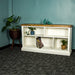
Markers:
<point>64,44</point>
<point>32,30</point>
<point>11,25</point>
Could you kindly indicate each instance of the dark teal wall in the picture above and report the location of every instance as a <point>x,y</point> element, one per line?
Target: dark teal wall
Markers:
<point>3,14</point>
<point>56,11</point>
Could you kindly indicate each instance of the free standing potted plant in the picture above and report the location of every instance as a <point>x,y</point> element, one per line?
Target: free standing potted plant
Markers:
<point>64,44</point>
<point>32,32</point>
<point>11,24</point>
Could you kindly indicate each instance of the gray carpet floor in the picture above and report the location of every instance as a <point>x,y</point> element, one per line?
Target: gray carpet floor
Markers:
<point>16,62</point>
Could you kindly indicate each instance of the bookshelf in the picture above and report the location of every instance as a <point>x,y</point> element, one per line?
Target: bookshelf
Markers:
<point>51,36</point>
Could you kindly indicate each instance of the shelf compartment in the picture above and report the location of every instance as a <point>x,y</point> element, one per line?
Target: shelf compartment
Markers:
<point>26,29</point>
<point>29,41</point>
<point>57,45</point>
<point>39,31</point>
<point>56,32</point>
<point>47,42</point>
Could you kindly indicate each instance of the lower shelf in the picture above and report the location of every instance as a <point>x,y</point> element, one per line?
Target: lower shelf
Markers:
<point>46,50</point>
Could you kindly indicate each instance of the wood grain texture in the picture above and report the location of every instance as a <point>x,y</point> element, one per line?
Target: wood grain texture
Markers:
<point>51,25</point>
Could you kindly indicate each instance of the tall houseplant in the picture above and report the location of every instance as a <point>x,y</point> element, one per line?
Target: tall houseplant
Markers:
<point>11,23</point>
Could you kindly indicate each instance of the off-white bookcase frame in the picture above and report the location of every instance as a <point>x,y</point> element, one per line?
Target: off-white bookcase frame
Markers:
<point>51,36</point>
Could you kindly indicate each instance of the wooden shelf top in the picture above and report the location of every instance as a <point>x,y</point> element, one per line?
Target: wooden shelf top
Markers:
<point>51,25</point>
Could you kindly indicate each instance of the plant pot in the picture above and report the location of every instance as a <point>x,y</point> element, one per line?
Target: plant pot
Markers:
<point>15,34</point>
<point>63,47</point>
<point>32,32</point>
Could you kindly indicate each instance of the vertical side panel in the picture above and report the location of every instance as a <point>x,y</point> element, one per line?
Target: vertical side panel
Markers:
<point>69,39</point>
<point>22,36</point>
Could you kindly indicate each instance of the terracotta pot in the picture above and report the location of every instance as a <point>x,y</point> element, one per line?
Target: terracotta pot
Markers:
<point>15,34</point>
<point>63,47</point>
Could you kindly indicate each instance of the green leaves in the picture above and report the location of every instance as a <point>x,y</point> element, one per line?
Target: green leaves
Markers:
<point>11,20</point>
<point>46,21</point>
<point>3,29</point>
<point>64,42</point>
<point>32,28</point>
<point>8,23</point>
<point>16,19</point>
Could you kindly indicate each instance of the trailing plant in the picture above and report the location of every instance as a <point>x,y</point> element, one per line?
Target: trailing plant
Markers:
<point>32,28</point>
<point>11,23</point>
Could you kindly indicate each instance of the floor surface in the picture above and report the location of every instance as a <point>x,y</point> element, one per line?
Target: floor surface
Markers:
<point>16,62</point>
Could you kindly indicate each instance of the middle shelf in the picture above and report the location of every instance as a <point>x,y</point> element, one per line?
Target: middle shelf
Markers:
<point>46,36</point>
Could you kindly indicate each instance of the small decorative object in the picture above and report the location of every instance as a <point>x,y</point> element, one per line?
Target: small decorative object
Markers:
<point>64,44</point>
<point>45,21</point>
<point>39,43</point>
<point>32,30</point>
<point>11,24</point>
<point>27,32</point>
<point>48,22</point>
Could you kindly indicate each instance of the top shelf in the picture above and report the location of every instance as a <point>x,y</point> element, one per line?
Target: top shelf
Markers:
<point>51,25</point>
